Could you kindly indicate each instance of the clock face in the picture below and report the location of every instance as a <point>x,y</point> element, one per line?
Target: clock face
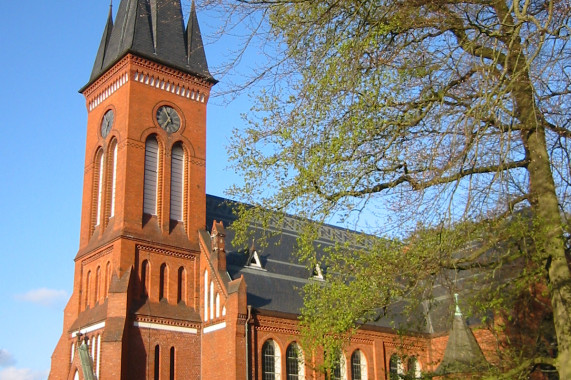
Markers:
<point>107,123</point>
<point>168,119</point>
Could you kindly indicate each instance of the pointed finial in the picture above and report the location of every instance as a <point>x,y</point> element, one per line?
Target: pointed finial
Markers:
<point>457,313</point>
<point>110,10</point>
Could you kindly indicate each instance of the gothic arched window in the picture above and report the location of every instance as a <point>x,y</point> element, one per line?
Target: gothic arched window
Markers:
<point>151,176</point>
<point>113,184</point>
<point>181,288</point>
<point>294,363</point>
<point>107,279</point>
<point>172,363</point>
<point>271,368</point>
<point>97,283</point>
<point>395,368</point>
<point>358,366</point>
<point>211,299</point>
<point>87,289</point>
<point>413,367</point>
<point>157,362</point>
<point>177,182</point>
<point>339,372</point>
<point>145,278</point>
<point>206,295</point>
<point>164,279</point>
<point>98,187</point>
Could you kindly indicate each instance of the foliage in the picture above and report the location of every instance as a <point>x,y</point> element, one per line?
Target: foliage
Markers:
<point>444,117</point>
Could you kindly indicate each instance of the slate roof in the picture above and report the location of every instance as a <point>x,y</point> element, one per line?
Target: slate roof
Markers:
<point>153,29</point>
<point>274,287</point>
<point>277,286</point>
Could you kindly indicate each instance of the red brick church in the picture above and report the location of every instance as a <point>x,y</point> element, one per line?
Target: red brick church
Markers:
<point>159,293</point>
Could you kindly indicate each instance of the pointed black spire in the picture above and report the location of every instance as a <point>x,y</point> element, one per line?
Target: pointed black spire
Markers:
<point>153,29</point>
<point>131,33</point>
<point>196,57</point>
<point>463,353</point>
<point>99,59</point>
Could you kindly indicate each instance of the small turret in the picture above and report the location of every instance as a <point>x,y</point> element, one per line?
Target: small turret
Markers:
<point>463,355</point>
<point>218,237</point>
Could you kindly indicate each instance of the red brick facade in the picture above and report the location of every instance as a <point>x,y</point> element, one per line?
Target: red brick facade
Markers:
<point>152,296</point>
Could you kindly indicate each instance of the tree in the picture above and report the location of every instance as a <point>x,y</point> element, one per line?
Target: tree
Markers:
<point>454,114</point>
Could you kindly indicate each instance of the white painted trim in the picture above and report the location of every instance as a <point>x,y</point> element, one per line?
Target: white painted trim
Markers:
<point>218,326</point>
<point>156,326</point>
<point>108,91</point>
<point>169,86</point>
<point>88,329</point>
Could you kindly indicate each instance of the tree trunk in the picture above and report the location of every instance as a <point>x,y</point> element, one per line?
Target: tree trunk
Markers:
<point>543,199</point>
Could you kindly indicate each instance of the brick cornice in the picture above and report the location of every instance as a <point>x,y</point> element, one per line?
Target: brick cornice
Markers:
<point>166,71</point>
<point>96,86</point>
<point>166,252</point>
<point>167,321</point>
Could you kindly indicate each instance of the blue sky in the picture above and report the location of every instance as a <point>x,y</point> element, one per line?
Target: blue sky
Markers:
<point>47,54</point>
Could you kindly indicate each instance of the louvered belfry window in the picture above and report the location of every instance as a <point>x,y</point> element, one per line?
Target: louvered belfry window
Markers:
<point>151,176</point>
<point>113,181</point>
<point>99,190</point>
<point>177,182</point>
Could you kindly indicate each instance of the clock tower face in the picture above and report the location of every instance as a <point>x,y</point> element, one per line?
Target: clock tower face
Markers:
<point>107,123</point>
<point>168,119</point>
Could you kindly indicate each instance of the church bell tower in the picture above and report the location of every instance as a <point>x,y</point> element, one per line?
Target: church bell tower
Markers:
<point>137,309</point>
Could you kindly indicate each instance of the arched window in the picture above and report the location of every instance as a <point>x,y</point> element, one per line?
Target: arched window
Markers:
<point>98,368</point>
<point>358,366</point>
<point>151,176</point>
<point>72,352</point>
<point>172,364</point>
<point>413,367</point>
<point>177,182</point>
<point>145,278</point>
<point>107,279</point>
<point>76,375</point>
<point>99,187</point>
<point>206,295</point>
<point>181,292</point>
<point>395,368</point>
<point>97,283</point>
<point>113,167</point>
<point>339,372</point>
<point>94,351</point>
<point>157,362</point>
<point>271,364</point>
<point>164,278</point>
<point>211,300</point>
<point>87,288</point>
<point>295,369</point>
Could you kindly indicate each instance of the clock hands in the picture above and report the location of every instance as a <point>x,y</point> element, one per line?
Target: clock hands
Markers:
<point>168,119</point>
<point>107,123</point>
